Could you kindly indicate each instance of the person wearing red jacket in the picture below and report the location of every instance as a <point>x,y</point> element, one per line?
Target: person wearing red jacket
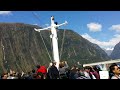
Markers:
<point>42,70</point>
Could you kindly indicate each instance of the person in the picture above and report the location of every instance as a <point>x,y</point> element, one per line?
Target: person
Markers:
<point>89,72</point>
<point>42,70</point>
<point>53,71</point>
<point>73,71</point>
<point>33,74</point>
<point>48,77</point>
<point>114,69</point>
<point>38,68</point>
<point>62,70</point>
<point>81,74</point>
<point>95,72</point>
<point>4,76</point>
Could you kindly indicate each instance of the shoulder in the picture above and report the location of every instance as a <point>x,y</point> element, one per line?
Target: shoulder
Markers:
<point>113,77</point>
<point>85,73</point>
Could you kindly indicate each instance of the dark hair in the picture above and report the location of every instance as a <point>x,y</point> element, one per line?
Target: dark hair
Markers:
<point>38,66</point>
<point>53,62</point>
<point>79,69</point>
<point>60,66</point>
<point>112,67</point>
<point>96,68</point>
<point>19,75</point>
<point>33,71</point>
<point>87,67</point>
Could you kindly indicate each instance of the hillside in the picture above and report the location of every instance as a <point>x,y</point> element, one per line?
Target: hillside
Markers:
<point>108,52</point>
<point>116,52</point>
<point>22,48</point>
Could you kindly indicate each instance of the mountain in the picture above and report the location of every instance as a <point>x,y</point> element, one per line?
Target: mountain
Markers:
<point>108,52</point>
<point>116,52</point>
<point>22,48</point>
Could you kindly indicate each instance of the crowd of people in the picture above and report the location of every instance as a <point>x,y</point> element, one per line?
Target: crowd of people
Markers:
<point>64,72</point>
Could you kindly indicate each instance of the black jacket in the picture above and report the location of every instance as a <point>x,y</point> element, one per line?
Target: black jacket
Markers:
<point>53,72</point>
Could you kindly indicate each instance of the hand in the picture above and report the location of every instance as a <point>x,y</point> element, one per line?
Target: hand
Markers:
<point>23,73</point>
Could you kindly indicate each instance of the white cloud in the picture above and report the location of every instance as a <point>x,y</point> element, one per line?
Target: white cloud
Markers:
<point>115,27</point>
<point>106,45</point>
<point>94,27</point>
<point>5,12</point>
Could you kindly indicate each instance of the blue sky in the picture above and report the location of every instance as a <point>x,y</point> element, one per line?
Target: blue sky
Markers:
<point>100,27</point>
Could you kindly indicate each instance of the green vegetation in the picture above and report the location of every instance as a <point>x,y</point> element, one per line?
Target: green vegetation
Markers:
<point>24,48</point>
